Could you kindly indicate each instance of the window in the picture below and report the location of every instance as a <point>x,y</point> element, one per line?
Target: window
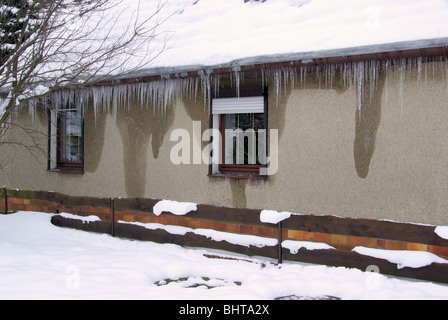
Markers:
<point>242,124</point>
<point>241,144</point>
<point>69,139</point>
<point>66,143</point>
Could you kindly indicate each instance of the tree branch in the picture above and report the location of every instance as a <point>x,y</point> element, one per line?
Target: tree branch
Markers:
<point>65,41</point>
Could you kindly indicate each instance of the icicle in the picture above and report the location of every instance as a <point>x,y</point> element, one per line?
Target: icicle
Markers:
<point>387,72</point>
<point>292,78</point>
<point>371,78</point>
<point>359,70</point>
<point>263,78</point>
<point>419,69</point>
<point>359,76</point>
<point>237,75</point>
<point>216,83</point>
<point>402,76</point>
<point>319,76</point>
<point>303,71</point>
<point>196,88</point>
<point>347,74</point>
<point>285,79</point>
<point>32,105</point>
<point>277,81</point>
<point>97,99</point>
<point>446,70</point>
<point>206,88</point>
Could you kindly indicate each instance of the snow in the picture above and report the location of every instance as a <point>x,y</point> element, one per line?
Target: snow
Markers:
<point>175,207</point>
<point>442,231</point>
<point>210,32</point>
<point>403,258</point>
<point>272,216</point>
<point>233,238</point>
<point>87,219</point>
<point>177,230</point>
<point>42,261</point>
<point>239,239</point>
<point>295,246</point>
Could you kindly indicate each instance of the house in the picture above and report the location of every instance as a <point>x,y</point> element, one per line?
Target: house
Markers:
<point>311,107</point>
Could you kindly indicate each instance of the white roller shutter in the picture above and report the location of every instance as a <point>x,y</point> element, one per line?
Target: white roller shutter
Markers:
<point>238,105</point>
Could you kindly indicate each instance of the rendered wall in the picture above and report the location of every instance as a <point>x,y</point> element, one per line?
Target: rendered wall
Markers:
<point>387,160</point>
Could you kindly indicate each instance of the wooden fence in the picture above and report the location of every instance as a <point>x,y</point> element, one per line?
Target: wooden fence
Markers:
<point>343,234</point>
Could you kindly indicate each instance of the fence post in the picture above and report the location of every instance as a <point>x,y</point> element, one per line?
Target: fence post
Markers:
<point>6,200</point>
<point>112,214</point>
<point>279,245</point>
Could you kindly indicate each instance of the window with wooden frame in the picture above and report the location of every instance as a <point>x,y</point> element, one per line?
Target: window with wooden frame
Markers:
<point>66,142</point>
<point>242,124</point>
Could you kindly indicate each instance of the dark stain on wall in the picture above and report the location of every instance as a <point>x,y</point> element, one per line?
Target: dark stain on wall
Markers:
<point>367,118</point>
<point>137,125</point>
<point>94,135</point>
<point>238,188</point>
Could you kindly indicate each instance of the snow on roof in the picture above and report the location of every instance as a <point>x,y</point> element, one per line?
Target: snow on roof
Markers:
<point>210,32</point>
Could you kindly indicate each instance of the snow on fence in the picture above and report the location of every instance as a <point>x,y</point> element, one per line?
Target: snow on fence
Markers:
<point>393,248</point>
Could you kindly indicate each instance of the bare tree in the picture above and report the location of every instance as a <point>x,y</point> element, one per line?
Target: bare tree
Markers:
<point>68,42</point>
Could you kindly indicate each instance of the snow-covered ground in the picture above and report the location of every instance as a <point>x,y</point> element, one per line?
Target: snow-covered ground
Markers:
<point>42,261</point>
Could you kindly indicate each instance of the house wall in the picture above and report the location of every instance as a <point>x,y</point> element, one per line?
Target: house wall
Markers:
<point>387,160</point>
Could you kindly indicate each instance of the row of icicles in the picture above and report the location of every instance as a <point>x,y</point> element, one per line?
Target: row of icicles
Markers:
<point>160,95</point>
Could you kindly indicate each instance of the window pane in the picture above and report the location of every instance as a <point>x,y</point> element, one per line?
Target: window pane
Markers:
<point>242,139</point>
<point>70,136</point>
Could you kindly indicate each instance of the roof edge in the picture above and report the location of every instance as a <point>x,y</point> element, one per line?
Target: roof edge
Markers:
<point>404,49</point>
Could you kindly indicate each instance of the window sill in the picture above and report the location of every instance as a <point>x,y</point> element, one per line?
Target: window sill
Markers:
<point>67,170</point>
<point>238,175</point>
